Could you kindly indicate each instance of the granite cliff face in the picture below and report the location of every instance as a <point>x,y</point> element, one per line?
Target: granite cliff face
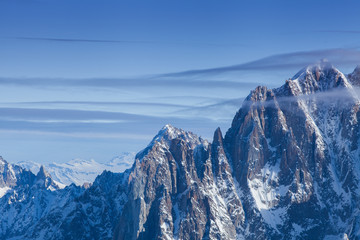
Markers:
<point>288,168</point>
<point>295,152</point>
<point>181,187</point>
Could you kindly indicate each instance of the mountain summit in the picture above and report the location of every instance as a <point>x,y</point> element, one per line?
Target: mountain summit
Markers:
<point>288,168</point>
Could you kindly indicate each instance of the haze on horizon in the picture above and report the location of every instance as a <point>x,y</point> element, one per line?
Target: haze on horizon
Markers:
<point>88,79</point>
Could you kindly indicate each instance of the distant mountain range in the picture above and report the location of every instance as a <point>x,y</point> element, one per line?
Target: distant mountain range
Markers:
<point>288,168</point>
<point>79,171</point>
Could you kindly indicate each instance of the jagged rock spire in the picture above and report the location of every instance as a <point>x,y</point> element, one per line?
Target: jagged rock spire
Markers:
<point>354,77</point>
<point>218,138</point>
<point>42,174</point>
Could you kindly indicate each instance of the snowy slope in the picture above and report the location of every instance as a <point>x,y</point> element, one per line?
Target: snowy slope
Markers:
<point>79,171</point>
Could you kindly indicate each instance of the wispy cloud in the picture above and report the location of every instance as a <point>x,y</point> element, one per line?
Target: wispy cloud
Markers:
<point>126,136</point>
<point>340,31</point>
<point>120,83</point>
<point>222,110</point>
<point>67,115</point>
<point>76,40</point>
<point>101,103</point>
<point>283,62</point>
<point>111,41</point>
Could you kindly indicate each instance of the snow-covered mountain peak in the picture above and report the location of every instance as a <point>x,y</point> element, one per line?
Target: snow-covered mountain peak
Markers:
<point>2,161</point>
<point>321,66</point>
<point>125,158</point>
<point>168,133</point>
<point>169,127</point>
<point>79,162</point>
<point>167,138</point>
<point>322,76</point>
<point>257,94</point>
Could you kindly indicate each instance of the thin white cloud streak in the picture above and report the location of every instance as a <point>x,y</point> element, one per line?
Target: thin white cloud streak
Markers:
<point>67,114</point>
<point>340,31</point>
<point>68,121</point>
<point>77,40</point>
<point>129,83</point>
<point>220,111</point>
<point>282,62</point>
<point>112,41</point>
<point>80,134</point>
<point>101,103</point>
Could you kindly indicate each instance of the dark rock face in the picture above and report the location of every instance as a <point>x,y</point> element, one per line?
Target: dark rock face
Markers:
<point>11,175</point>
<point>295,151</point>
<point>288,168</point>
<point>354,77</point>
<point>174,193</point>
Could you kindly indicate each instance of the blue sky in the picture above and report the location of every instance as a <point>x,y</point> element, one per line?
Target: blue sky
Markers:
<point>91,79</point>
